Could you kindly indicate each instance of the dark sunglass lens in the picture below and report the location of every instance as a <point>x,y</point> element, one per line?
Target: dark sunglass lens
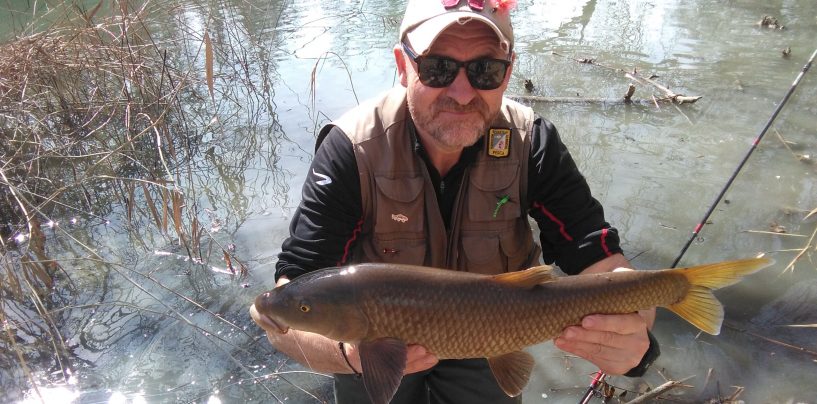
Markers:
<point>437,71</point>
<point>486,74</point>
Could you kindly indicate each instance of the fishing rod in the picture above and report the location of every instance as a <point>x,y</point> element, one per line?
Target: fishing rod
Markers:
<point>751,150</point>
<point>600,376</point>
<point>592,390</point>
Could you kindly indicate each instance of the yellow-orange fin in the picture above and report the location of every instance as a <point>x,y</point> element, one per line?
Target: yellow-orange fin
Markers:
<point>699,306</point>
<point>722,274</point>
<point>527,278</point>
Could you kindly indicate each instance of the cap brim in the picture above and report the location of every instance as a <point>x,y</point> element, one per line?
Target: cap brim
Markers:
<point>423,35</point>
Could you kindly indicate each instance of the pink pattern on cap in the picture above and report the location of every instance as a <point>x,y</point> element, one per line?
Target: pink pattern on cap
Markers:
<point>477,5</point>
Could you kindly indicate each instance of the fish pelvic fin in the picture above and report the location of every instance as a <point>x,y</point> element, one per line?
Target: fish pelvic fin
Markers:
<point>512,371</point>
<point>527,278</point>
<point>699,306</point>
<point>383,361</point>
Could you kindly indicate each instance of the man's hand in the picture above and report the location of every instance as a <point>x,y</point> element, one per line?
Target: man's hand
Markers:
<point>615,342</point>
<point>321,353</point>
<point>417,358</point>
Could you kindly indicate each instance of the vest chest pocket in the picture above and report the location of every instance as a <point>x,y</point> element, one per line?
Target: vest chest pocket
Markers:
<point>497,252</point>
<point>494,192</point>
<point>399,228</point>
<point>481,254</point>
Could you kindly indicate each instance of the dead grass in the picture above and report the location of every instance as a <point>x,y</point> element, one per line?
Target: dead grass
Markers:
<point>93,116</point>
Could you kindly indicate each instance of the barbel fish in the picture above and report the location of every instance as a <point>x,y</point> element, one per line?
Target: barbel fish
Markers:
<point>384,307</point>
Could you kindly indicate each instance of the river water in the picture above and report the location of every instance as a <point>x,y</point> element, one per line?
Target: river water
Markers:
<point>155,327</point>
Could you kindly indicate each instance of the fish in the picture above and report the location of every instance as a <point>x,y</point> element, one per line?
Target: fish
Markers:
<point>383,308</point>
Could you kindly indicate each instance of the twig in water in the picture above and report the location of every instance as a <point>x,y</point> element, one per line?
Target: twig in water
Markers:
<point>628,96</point>
<point>774,232</point>
<point>804,158</point>
<point>648,396</point>
<point>772,340</point>
<point>803,251</point>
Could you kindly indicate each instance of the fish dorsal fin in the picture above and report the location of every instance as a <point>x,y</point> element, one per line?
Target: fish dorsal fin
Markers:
<point>527,278</point>
<point>512,371</point>
<point>383,361</point>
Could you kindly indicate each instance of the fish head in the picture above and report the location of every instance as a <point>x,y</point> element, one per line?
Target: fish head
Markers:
<point>321,302</point>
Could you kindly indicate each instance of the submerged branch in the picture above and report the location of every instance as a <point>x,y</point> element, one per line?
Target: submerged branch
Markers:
<point>668,95</point>
<point>588,100</point>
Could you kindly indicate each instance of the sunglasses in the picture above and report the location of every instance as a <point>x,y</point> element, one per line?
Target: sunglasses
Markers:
<point>440,71</point>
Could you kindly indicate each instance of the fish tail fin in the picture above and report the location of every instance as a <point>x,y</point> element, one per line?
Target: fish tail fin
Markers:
<point>700,307</point>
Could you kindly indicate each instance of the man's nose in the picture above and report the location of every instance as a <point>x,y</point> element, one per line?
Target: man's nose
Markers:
<point>460,89</point>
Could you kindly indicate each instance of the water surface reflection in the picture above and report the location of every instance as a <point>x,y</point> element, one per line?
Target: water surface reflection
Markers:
<point>151,325</point>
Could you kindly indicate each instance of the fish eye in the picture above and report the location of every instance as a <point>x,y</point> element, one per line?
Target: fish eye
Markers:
<point>305,308</point>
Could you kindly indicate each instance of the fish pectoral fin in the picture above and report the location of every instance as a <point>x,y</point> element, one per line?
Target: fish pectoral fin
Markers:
<point>527,278</point>
<point>512,371</point>
<point>383,361</point>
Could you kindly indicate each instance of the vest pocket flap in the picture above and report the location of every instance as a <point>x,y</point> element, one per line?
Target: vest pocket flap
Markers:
<point>482,250</point>
<point>400,189</point>
<point>496,176</point>
<point>513,245</point>
<point>397,249</point>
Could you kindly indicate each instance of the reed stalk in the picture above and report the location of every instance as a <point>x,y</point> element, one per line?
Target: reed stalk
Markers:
<point>97,120</point>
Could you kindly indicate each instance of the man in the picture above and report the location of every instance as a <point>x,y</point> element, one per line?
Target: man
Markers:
<point>440,172</point>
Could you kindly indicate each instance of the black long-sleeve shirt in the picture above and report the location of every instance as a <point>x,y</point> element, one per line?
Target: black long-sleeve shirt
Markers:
<point>573,232</point>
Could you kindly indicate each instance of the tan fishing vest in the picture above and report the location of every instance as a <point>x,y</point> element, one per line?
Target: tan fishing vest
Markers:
<point>402,222</point>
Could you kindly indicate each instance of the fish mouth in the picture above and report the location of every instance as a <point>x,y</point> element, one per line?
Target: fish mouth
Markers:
<point>266,322</point>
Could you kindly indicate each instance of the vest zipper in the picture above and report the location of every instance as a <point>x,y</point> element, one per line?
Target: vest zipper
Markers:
<point>453,233</point>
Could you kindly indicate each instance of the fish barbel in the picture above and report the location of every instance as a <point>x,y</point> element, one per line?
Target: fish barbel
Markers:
<point>384,307</point>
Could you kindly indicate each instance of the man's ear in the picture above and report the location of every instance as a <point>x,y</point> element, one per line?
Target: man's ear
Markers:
<point>400,60</point>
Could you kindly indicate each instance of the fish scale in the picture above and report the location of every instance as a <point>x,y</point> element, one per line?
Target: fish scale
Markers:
<point>482,318</point>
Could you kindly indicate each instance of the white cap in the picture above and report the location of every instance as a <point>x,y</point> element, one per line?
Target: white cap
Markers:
<point>426,19</point>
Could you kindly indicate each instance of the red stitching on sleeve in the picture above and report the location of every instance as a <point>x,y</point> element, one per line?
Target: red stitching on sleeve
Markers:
<point>554,219</point>
<point>349,242</point>
<point>604,243</point>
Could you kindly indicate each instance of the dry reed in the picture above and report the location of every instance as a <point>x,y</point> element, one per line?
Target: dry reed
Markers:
<point>92,116</point>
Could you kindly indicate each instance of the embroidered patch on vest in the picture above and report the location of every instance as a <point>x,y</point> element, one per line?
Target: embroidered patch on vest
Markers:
<point>499,142</point>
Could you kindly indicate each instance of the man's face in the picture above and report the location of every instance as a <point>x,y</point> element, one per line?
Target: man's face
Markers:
<point>451,118</point>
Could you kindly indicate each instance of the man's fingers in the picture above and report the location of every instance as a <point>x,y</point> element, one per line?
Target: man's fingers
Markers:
<point>614,343</point>
<point>603,338</point>
<point>418,359</point>
<point>612,353</point>
<point>593,352</point>
<point>616,323</point>
<point>609,360</point>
